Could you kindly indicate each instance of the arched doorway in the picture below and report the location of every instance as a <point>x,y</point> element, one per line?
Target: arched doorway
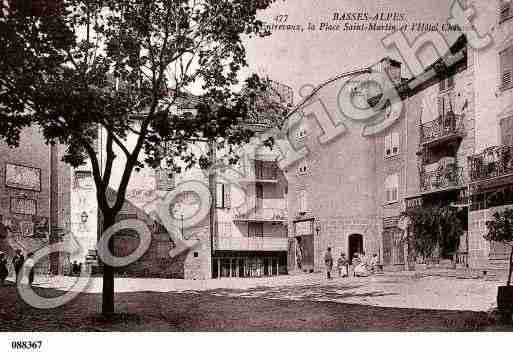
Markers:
<point>355,245</point>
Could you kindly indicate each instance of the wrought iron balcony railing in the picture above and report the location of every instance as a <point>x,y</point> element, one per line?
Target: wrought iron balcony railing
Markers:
<point>261,215</point>
<point>441,179</point>
<point>444,127</point>
<point>493,162</point>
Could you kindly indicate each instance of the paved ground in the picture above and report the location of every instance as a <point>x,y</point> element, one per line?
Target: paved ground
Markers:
<point>391,290</point>
<point>297,303</point>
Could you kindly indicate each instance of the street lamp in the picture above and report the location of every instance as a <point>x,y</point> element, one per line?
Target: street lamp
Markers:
<point>84,217</point>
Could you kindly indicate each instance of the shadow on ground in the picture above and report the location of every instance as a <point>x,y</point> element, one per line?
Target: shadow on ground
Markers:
<point>208,311</point>
<point>310,292</point>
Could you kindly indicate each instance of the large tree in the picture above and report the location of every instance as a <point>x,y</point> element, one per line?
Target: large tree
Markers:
<point>82,65</point>
<point>433,228</point>
<point>500,229</point>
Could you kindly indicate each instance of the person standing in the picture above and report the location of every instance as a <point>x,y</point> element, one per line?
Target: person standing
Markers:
<point>342,265</point>
<point>354,262</point>
<point>17,262</point>
<point>29,264</point>
<point>374,263</point>
<point>4,272</point>
<point>328,262</point>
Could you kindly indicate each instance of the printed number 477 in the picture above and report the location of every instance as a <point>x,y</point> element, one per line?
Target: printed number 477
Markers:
<point>281,18</point>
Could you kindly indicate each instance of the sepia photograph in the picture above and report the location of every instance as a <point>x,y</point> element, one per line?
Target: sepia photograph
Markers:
<point>254,166</point>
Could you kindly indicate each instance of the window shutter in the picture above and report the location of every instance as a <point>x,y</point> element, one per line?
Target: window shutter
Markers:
<point>395,142</point>
<point>450,82</point>
<point>506,126</point>
<point>449,103</point>
<point>227,197</point>
<point>392,188</point>
<point>388,145</point>
<point>442,84</point>
<point>219,195</point>
<point>303,205</point>
<point>506,63</point>
<point>440,105</point>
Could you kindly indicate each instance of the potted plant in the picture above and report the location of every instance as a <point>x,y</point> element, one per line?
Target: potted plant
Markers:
<point>500,229</point>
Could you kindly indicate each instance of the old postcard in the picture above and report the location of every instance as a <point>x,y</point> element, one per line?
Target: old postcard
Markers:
<point>254,166</point>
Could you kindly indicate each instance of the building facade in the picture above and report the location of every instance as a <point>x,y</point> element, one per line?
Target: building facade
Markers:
<point>244,233</point>
<point>348,194</point>
<point>251,237</point>
<point>490,169</point>
<point>34,198</point>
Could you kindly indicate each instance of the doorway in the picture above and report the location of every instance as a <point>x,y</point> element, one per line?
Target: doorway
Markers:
<point>259,196</point>
<point>305,253</point>
<point>355,245</point>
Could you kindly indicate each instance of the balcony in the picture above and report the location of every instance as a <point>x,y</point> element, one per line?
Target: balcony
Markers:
<point>263,172</point>
<point>444,128</point>
<point>493,162</point>
<point>444,178</point>
<point>252,244</point>
<point>261,215</point>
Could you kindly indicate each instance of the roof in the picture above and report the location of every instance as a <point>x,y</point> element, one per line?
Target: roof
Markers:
<point>325,83</point>
<point>404,87</point>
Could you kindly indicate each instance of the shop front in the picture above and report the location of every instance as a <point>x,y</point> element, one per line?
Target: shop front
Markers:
<point>249,264</point>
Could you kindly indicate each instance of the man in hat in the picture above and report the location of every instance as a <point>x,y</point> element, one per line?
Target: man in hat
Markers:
<point>17,262</point>
<point>328,262</point>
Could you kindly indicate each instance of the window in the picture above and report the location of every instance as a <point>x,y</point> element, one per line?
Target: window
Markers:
<point>445,104</point>
<point>303,201</point>
<point>506,67</point>
<point>392,188</point>
<point>301,133</point>
<point>506,126</point>
<point>159,228</point>
<point>164,180</point>
<point>446,83</point>
<point>20,205</point>
<point>265,170</point>
<point>222,195</point>
<point>83,180</point>
<point>225,229</point>
<point>302,169</point>
<point>392,144</point>
<point>255,229</point>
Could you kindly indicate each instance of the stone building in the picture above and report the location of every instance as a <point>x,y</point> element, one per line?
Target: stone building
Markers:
<point>34,198</point>
<point>491,168</point>
<point>348,192</point>
<point>243,234</point>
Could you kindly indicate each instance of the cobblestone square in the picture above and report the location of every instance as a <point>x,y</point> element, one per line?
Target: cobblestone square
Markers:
<point>390,302</point>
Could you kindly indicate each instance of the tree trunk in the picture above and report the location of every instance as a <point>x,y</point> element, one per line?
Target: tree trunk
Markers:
<point>510,266</point>
<point>108,273</point>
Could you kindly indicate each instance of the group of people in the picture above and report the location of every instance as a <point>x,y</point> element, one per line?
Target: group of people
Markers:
<point>360,265</point>
<point>18,262</point>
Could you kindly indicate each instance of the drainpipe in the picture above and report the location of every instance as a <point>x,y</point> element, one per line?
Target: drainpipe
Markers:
<point>212,187</point>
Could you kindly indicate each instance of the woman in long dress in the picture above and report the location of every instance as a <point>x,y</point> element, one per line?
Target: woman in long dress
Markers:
<point>361,268</point>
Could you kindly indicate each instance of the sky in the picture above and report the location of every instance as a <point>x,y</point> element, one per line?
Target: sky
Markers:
<point>301,58</point>
<point>307,57</point>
